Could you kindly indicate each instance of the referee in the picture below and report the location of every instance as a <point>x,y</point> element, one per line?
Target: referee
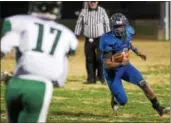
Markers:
<point>93,22</point>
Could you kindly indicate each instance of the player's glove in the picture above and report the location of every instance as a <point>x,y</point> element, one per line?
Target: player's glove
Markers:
<point>144,57</point>
<point>5,76</point>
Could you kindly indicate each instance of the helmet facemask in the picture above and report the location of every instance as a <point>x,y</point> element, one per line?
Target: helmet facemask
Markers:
<point>119,30</point>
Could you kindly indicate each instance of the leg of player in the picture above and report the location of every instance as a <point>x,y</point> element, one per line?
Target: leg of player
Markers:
<point>132,75</point>
<point>118,94</point>
<point>37,101</point>
<point>99,67</point>
<point>114,103</point>
<point>151,96</point>
<point>28,100</point>
<point>115,85</point>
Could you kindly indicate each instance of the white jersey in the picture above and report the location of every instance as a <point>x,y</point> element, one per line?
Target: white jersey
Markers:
<point>42,43</point>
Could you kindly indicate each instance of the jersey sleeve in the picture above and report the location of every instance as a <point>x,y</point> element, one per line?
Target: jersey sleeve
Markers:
<point>6,27</point>
<point>106,43</point>
<point>11,24</point>
<point>10,34</point>
<point>9,41</point>
<point>106,21</point>
<point>73,42</point>
<point>130,32</point>
<point>79,23</point>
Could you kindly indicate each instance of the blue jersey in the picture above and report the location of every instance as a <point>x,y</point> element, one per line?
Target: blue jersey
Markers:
<point>109,42</point>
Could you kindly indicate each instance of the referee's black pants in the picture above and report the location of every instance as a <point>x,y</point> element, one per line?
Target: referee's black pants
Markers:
<point>93,61</point>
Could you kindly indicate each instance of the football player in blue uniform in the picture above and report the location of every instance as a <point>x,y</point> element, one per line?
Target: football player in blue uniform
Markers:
<point>119,40</point>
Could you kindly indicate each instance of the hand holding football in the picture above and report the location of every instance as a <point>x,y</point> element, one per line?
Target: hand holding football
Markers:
<point>118,57</point>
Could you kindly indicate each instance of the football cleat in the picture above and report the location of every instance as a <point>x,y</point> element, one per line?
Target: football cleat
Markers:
<point>114,104</point>
<point>161,110</point>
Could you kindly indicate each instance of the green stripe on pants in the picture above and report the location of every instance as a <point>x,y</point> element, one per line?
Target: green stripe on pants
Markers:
<point>25,100</point>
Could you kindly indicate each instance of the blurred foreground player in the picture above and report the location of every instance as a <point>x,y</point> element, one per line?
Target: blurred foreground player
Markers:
<point>115,46</point>
<point>43,46</point>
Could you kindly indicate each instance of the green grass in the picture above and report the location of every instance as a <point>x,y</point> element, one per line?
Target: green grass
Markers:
<point>80,103</point>
<point>92,104</point>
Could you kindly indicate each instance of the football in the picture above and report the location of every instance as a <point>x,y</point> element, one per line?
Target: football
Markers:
<point>118,57</point>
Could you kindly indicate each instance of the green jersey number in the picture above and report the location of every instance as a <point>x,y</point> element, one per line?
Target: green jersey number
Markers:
<point>40,38</point>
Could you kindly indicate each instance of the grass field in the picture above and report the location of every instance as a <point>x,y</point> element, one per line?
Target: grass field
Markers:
<point>77,102</point>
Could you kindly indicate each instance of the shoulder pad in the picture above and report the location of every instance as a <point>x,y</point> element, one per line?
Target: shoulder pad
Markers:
<point>107,43</point>
<point>130,30</point>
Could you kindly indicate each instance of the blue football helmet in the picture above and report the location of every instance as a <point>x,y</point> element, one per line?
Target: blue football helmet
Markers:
<point>118,22</point>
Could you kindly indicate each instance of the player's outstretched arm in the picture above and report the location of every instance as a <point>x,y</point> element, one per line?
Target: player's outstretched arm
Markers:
<point>135,50</point>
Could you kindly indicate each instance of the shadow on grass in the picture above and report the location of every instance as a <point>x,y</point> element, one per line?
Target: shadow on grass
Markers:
<point>2,111</point>
<point>76,79</point>
<point>78,114</point>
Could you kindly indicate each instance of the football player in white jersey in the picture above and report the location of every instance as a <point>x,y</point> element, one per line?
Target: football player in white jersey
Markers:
<point>43,46</point>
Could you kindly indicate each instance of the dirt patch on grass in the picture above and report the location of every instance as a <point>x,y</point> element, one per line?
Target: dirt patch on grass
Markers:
<point>126,115</point>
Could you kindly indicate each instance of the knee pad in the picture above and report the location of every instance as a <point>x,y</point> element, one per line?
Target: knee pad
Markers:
<point>143,84</point>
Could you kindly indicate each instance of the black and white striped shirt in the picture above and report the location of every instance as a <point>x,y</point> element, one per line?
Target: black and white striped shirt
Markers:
<point>93,23</point>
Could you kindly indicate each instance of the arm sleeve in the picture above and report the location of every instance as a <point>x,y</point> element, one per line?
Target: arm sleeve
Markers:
<point>6,27</point>
<point>131,32</point>
<point>73,43</point>
<point>106,21</point>
<point>107,55</point>
<point>12,23</point>
<point>79,23</point>
<point>10,33</point>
